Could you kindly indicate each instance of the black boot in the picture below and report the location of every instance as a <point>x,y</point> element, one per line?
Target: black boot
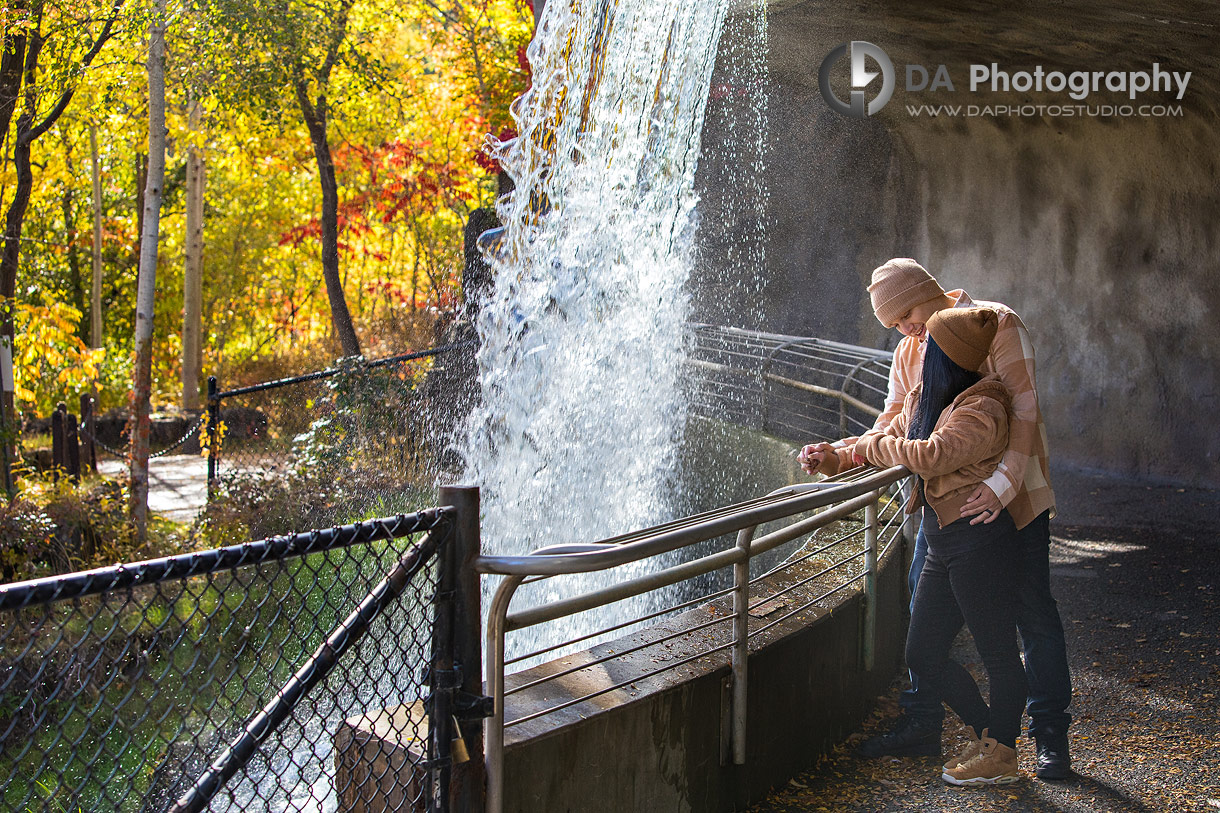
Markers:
<point>908,738</point>
<point>1053,759</point>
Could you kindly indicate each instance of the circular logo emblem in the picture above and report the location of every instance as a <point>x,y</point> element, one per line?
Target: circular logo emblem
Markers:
<point>861,78</point>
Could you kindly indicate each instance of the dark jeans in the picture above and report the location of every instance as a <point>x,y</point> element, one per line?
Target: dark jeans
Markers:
<point>968,577</point>
<point>1046,667</point>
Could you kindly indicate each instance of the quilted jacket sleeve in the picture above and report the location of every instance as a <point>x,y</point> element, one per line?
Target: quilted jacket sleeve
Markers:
<point>976,429</point>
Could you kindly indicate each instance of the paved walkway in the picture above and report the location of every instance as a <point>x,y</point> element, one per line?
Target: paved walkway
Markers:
<point>1136,570</point>
<point>177,484</point>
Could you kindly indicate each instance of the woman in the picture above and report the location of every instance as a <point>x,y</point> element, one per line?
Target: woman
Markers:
<point>952,432</point>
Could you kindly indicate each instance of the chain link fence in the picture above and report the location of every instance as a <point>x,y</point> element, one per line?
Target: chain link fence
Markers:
<point>346,441</point>
<point>218,680</point>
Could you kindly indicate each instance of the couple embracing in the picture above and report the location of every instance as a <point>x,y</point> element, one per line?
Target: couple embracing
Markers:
<point>962,414</point>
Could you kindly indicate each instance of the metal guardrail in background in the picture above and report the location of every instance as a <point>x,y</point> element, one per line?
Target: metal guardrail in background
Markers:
<point>147,686</point>
<point>837,499</point>
<point>799,388</point>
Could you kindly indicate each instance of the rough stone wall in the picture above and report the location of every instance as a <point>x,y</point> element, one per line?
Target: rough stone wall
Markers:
<point>1103,233</point>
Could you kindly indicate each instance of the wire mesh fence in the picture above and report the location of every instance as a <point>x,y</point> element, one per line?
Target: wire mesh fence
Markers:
<point>131,687</point>
<point>363,437</point>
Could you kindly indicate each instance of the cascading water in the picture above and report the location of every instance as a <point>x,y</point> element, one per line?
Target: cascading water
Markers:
<point>582,338</point>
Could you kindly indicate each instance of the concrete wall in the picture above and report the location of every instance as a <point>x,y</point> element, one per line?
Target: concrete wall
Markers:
<point>1103,233</point>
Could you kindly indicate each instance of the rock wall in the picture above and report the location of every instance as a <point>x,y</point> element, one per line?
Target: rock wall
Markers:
<point>1102,232</point>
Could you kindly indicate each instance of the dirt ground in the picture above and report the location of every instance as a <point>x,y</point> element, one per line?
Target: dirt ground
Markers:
<point>1136,570</point>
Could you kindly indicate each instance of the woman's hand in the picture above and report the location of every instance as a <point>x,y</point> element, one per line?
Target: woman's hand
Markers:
<point>813,456</point>
<point>983,503</point>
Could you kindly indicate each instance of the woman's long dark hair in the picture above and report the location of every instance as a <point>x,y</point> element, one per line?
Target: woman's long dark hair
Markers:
<point>943,380</point>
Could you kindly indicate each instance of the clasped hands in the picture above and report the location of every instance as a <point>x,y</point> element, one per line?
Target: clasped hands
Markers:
<point>983,505</point>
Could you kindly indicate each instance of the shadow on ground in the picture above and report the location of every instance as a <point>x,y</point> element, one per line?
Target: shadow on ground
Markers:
<point>1136,570</point>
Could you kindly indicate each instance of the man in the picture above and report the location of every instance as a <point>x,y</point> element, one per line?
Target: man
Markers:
<point>904,296</point>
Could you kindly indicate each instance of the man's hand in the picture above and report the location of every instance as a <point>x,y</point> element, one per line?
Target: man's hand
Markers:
<point>983,503</point>
<point>813,455</point>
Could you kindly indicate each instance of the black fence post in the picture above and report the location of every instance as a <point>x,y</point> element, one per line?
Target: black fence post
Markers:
<point>213,431</point>
<point>57,439</point>
<point>72,446</point>
<point>89,426</point>
<point>467,779</point>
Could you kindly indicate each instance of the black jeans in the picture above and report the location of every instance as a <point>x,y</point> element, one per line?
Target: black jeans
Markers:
<point>970,576</point>
<point>1046,666</point>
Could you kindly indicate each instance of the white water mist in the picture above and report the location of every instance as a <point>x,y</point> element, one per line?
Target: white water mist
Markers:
<point>582,339</point>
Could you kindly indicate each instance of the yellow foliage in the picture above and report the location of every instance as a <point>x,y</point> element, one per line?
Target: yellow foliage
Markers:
<point>50,362</point>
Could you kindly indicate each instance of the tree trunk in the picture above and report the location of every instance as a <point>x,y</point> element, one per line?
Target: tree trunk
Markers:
<point>8,291</point>
<point>315,121</point>
<point>68,204</point>
<point>192,278</point>
<point>95,293</point>
<point>146,288</point>
<point>11,69</point>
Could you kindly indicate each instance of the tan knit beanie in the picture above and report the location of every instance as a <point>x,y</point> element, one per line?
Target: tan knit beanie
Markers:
<point>964,334</point>
<point>900,285</point>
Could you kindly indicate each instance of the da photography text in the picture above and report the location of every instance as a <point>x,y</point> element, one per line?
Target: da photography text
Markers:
<point>1059,88</point>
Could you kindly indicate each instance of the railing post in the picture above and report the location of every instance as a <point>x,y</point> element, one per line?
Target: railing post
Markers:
<point>213,431</point>
<point>493,726</point>
<point>72,446</point>
<point>57,439</point>
<point>88,425</point>
<point>741,644</point>
<point>467,781</point>
<point>868,639</point>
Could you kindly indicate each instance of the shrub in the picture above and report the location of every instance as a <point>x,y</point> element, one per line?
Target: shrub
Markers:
<point>28,544</point>
<point>57,526</point>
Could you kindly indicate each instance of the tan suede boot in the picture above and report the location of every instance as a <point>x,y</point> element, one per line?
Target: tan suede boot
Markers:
<point>972,748</point>
<point>994,764</point>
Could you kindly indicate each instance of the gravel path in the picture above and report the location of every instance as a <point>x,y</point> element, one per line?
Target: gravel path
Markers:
<point>177,484</point>
<point>1136,570</point>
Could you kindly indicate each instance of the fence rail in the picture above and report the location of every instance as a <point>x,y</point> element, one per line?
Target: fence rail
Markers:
<point>354,405</point>
<point>150,685</point>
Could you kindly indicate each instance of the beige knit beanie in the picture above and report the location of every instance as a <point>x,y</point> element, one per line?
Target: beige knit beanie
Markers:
<point>898,286</point>
<point>964,334</point>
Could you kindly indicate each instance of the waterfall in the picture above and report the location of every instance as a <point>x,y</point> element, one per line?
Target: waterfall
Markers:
<point>582,339</point>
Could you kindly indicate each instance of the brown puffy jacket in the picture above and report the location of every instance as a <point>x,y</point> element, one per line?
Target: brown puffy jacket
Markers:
<point>965,446</point>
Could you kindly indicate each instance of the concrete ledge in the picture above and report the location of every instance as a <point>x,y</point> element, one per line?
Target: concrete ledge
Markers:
<point>377,758</point>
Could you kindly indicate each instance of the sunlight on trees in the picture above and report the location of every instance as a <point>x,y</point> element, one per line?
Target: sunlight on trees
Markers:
<point>407,92</point>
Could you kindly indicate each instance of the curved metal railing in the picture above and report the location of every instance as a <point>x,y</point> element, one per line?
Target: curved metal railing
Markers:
<point>877,492</point>
<point>801,388</point>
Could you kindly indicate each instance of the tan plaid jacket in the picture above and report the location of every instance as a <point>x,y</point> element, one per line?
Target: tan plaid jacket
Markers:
<point>1022,480</point>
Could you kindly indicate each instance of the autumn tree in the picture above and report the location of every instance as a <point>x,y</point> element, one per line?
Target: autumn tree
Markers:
<point>296,48</point>
<point>47,47</point>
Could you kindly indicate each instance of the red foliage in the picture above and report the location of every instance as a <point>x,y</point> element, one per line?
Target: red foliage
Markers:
<point>399,177</point>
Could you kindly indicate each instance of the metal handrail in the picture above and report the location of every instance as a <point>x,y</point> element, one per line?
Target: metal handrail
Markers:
<point>608,554</point>
<point>839,497</point>
<point>733,356</point>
